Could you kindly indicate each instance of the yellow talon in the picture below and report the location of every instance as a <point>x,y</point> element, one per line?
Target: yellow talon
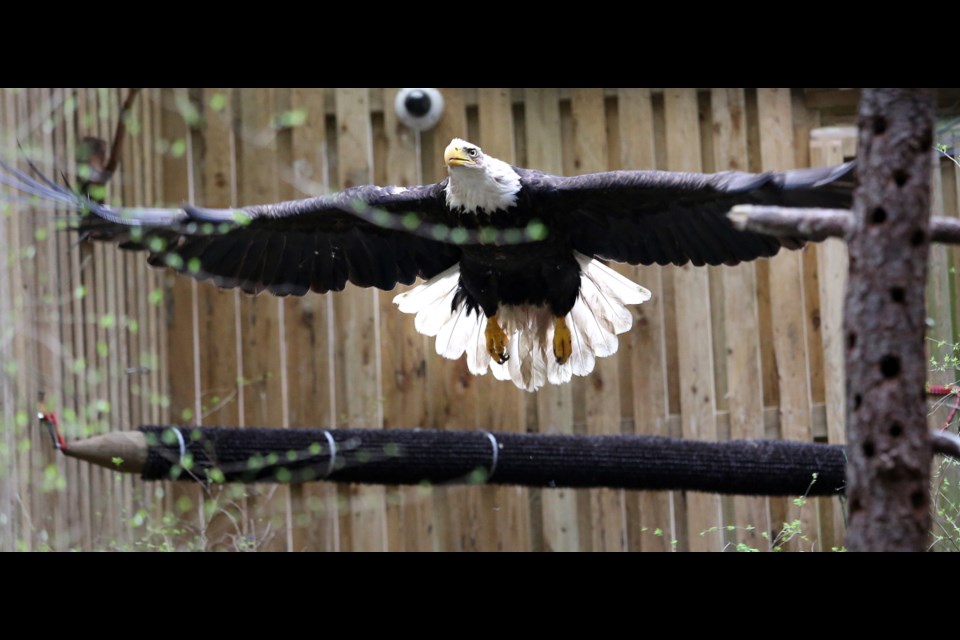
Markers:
<point>562,343</point>
<point>496,341</point>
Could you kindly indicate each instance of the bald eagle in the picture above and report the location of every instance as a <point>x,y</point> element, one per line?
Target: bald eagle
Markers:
<point>511,257</point>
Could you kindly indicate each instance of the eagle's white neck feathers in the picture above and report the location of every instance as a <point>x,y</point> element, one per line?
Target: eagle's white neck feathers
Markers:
<point>490,187</point>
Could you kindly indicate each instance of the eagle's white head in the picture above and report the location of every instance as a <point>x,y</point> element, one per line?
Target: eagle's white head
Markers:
<point>478,182</point>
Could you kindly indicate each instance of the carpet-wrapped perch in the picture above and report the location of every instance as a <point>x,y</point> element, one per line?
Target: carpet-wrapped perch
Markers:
<point>415,456</point>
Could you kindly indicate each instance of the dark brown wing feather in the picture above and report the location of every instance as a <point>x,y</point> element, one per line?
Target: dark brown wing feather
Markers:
<point>287,248</point>
<point>659,217</point>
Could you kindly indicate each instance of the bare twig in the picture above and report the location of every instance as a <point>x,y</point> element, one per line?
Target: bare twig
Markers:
<point>93,152</point>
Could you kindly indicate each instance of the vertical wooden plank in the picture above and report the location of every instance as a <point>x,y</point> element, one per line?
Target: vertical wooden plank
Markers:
<point>108,343</point>
<point>22,365</point>
<point>505,518</point>
<point>404,351</point>
<point>73,414</point>
<point>950,179</point>
<point>80,257</point>
<point>768,364</point>
<point>52,350</point>
<point>218,308</point>
<point>695,350</point>
<point>115,326</point>
<point>73,423</point>
<point>718,308</point>
<point>178,298</point>
<point>602,388</point>
<point>131,174</point>
<point>68,497</point>
<point>114,322</point>
<point>10,524</point>
<point>947,475</point>
<point>578,386</point>
<point>92,259</point>
<point>155,338</point>
<point>788,308</point>
<point>285,191</point>
<point>61,349</point>
<point>554,403</point>
<point>140,369</point>
<point>939,346</point>
<point>25,354</point>
<point>315,512</point>
<point>454,402</point>
<point>44,345</point>
<point>649,513</point>
<point>833,268</point>
<point>261,322</point>
<point>63,356</point>
<point>720,323</point>
<point>24,351</point>
<point>941,331</point>
<point>669,308</point>
<point>804,121</point>
<point>357,317</point>
<point>224,509</point>
<point>742,348</point>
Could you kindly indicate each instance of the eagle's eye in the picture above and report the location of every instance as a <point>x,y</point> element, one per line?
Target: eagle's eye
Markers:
<point>472,153</point>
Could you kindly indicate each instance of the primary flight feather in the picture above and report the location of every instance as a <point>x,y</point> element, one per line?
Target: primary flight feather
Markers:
<point>510,256</point>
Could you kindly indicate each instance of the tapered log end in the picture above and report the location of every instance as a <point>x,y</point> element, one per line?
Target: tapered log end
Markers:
<point>124,451</point>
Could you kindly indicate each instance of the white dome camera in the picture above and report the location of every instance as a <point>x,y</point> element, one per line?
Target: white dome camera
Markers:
<point>419,109</point>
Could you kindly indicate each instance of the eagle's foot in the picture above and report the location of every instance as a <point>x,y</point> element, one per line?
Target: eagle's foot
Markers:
<point>562,342</point>
<point>496,340</point>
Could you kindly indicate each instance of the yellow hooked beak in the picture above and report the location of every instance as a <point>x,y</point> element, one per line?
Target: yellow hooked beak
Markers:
<point>456,156</point>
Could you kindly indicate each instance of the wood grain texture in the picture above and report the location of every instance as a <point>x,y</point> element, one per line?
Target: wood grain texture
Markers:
<point>558,507</point>
<point>741,354</point>
<point>694,348</point>
<point>308,324</point>
<point>177,297</point>
<point>261,317</point>
<point>602,388</point>
<point>647,511</point>
<point>410,513</point>
<point>357,320</point>
<point>227,513</point>
<point>787,304</point>
<point>833,265</point>
<point>455,399</point>
<point>505,510</point>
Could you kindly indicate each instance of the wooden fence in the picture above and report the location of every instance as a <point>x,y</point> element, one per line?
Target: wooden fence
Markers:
<point>746,351</point>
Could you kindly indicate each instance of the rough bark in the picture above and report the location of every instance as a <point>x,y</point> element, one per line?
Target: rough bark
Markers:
<point>888,473</point>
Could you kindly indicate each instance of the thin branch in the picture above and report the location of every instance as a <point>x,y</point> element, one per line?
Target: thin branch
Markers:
<point>820,224</point>
<point>809,224</point>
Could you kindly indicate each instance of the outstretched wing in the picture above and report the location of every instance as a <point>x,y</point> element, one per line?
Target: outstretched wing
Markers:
<point>287,248</point>
<point>646,217</point>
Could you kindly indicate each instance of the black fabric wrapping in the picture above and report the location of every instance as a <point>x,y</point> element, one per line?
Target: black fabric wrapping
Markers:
<point>414,456</point>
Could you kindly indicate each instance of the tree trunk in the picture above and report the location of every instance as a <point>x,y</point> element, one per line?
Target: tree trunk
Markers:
<point>888,473</point>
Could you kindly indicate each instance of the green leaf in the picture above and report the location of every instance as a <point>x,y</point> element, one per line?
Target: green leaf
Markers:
<point>217,102</point>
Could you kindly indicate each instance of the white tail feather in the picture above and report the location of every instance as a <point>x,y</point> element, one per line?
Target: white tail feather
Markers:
<point>598,316</point>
